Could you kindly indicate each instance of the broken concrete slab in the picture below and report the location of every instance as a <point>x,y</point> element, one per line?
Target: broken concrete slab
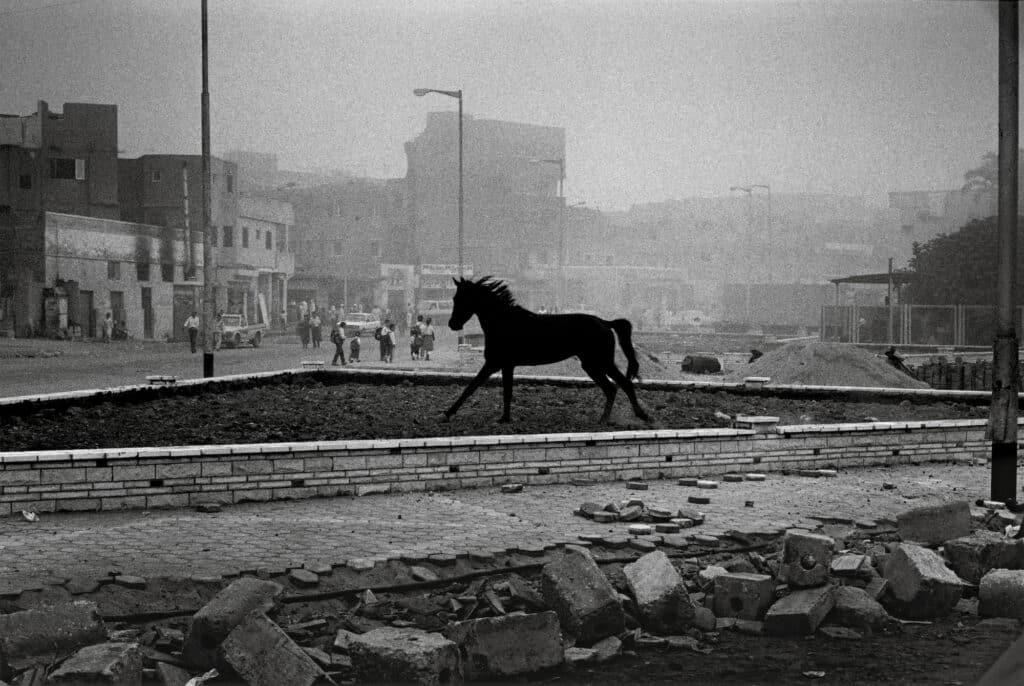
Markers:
<point>390,655</point>
<point>935,524</point>
<point>103,663</point>
<point>662,600</point>
<point>971,557</point>
<point>1001,594</point>
<point>495,647</point>
<point>224,612</point>
<point>800,612</point>
<point>856,609</point>
<point>587,605</point>
<point>303,578</point>
<point>851,566</point>
<point>743,595</point>
<point>260,652</point>
<point>579,656</point>
<point>805,559</point>
<point>920,584</point>
<point>56,628</point>
<point>171,675</point>
<point>607,648</point>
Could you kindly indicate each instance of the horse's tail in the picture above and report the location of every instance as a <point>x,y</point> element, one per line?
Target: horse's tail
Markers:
<point>625,332</point>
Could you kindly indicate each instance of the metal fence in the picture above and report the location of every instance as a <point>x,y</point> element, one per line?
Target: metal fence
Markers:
<point>924,325</point>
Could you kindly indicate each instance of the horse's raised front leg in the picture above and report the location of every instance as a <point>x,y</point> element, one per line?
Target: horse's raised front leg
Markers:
<point>481,376</point>
<point>506,394</point>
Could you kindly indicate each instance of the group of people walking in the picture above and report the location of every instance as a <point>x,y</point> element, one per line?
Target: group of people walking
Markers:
<point>421,335</point>
<point>421,339</point>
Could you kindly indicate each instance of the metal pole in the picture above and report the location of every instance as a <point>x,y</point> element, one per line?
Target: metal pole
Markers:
<point>208,269</point>
<point>561,295</point>
<point>461,262</point>
<point>1004,411</point>
<point>190,255</point>
<point>888,301</point>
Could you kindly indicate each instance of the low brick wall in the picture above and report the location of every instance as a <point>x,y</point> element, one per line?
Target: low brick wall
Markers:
<point>172,477</point>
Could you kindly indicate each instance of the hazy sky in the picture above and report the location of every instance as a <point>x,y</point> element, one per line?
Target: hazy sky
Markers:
<point>658,99</point>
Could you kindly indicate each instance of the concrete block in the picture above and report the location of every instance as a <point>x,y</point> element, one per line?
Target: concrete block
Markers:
<point>581,594</point>
<point>607,648</point>
<point>921,586</point>
<point>706,577</point>
<point>224,612</point>
<point>799,613</point>
<point>851,567</point>
<point>171,675</point>
<point>104,663</point>
<point>579,656</point>
<point>1001,594</point>
<point>856,609</point>
<point>971,557</point>
<point>805,559</point>
<point>935,524</point>
<point>747,596</point>
<point>390,655</point>
<point>56,628</point>
<point>662,600</point>
<point>496,647</point>
<point>262,654</point>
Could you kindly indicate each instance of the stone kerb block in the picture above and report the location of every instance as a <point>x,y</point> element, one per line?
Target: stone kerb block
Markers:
<point>104,663</point>
<point>935,524</point>
<point>587,605</point>
<point>1001,594</point>
<point>495,647</point>
<point>800,612</point>
<point>661,597</point>
<point>805,559</point>
<point>56,628</point>
<point>743,595</point>
<point>222,614</point>
<point>856,609</point>
<point>920,584</point>
<point>390,655</point>
<point>971,557</point>
<point>260,652</point>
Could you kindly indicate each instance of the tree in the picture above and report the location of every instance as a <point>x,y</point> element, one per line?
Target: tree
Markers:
<point>960,268</point>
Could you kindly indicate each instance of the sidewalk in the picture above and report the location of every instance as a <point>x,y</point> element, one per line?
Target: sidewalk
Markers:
<point>281,535</point>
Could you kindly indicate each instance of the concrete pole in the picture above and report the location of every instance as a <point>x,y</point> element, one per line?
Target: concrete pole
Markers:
<point>1005,385</point>
<point>461,249</point>
<point>209,275</point>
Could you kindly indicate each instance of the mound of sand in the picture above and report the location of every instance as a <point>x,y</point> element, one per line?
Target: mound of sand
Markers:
<point>825,364</point>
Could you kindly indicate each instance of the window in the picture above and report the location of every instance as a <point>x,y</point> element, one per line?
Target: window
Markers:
<point>229,236</point>
<point>245,236</point>
<point>213,238</point>
<point>25,181</point>
<point>167,271</point>
<point>62,168</point>
<point>154,176</point>
<point>142,271</point>
<point>113,270</point>
<point>231,183</point>
<point>269,239</point>
<point>79,170</point>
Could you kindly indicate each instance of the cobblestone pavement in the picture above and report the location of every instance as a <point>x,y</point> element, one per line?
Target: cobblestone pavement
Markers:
<point>280,535</point>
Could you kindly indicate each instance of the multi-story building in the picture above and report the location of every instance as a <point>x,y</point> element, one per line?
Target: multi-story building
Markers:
<point>512,212</point>
<point>49,161</point>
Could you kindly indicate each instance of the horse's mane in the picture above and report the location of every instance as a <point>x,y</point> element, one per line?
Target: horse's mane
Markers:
<point>490,287</point>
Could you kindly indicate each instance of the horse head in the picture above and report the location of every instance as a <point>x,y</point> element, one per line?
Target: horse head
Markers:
<point>464,305</point>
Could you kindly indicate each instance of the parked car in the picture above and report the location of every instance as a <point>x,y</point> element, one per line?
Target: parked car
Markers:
<point>360,324</point>
<point>238,330</point>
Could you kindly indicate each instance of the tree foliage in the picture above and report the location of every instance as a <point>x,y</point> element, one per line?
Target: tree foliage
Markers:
<point>960,268</point>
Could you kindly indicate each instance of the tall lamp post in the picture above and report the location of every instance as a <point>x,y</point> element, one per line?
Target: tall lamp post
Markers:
<point>420,92</point>
<point>560,290</point>
<point>209,274</point>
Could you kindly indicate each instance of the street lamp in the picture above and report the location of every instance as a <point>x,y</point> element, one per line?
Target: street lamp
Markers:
<point>560,290</point>
<point>420,92</point>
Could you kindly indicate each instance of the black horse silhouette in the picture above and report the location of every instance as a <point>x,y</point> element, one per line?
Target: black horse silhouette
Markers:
<point>515,336</point>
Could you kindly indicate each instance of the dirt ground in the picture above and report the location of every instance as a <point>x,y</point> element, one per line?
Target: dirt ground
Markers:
<point>306,409</point>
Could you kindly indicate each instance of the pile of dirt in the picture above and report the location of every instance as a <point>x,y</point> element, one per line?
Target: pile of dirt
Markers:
<point>826,364</point>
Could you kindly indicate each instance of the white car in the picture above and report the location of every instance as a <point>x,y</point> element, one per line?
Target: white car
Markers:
<point>360,324</point>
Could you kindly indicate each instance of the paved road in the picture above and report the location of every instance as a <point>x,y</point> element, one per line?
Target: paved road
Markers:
<point>281,535</point>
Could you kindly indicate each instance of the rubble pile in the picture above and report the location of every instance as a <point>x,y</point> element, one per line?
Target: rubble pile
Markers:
<point>537,611</point>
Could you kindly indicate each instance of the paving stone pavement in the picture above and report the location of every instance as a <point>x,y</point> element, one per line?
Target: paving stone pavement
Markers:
<point>281,535</point>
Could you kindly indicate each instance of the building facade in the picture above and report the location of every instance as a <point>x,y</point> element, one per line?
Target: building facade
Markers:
<point>49,161</point>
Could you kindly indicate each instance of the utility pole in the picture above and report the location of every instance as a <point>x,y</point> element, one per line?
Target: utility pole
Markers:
<point>1005,384</point>
<point>208,267</point>
<point>190,243</point>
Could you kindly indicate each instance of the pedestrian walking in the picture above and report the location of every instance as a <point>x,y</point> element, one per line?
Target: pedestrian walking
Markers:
<point>192,327</point>
<point>338,339</point>
<point>353,349</point>
<point>303,327</point>
<point>315,324</point>
<point>427,343</point>
<point>108,328</point>
<point>416,338</point>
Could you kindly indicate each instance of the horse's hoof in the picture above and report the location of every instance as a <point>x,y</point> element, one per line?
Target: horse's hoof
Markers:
<point>446,417</point>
